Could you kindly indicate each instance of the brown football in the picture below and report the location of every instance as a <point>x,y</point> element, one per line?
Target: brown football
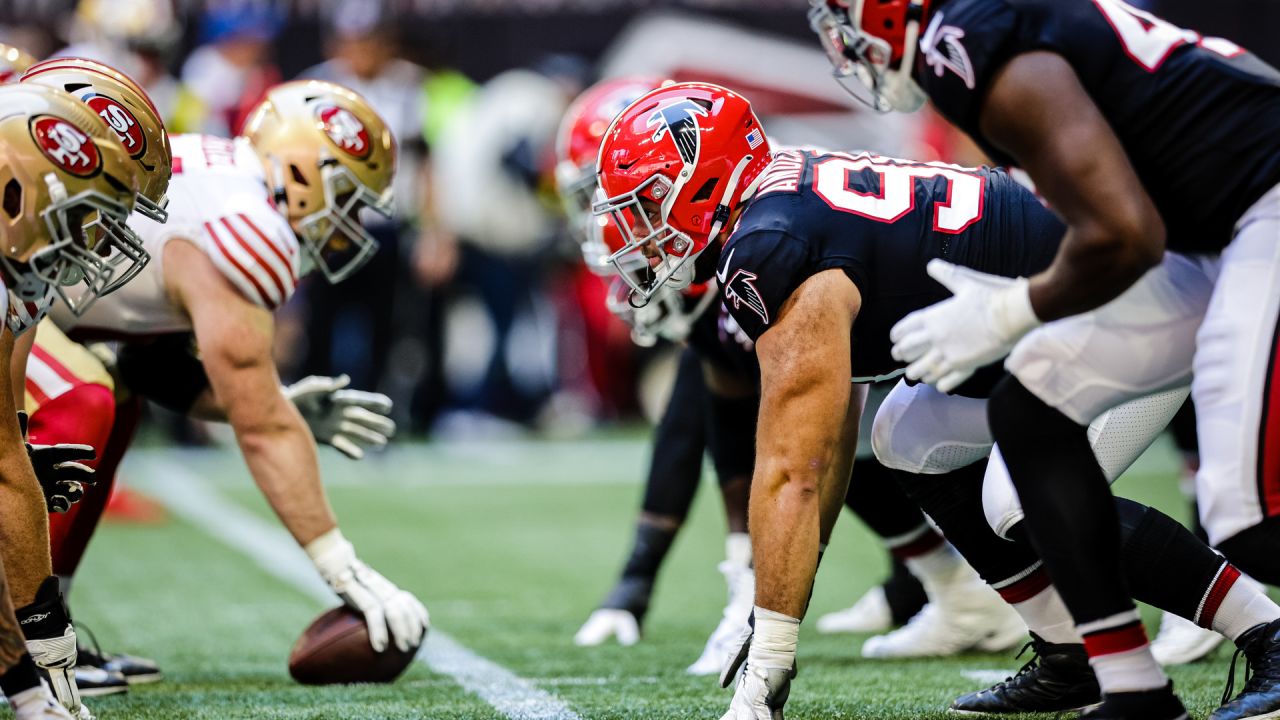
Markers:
<point>335,650</point>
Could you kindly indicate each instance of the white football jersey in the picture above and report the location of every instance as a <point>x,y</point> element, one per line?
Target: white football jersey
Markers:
<point>219,201</point>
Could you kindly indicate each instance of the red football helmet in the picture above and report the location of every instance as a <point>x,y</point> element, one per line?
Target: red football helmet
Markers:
<point>872,48</point>
<point>672,167</point>
<point>577,145</point>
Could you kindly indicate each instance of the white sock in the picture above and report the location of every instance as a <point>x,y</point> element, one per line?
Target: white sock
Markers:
<point>1244,607</point>
<point>938,565</point>
<point>773,645</point>
<point>1047,616</point>
<point>1120,655</point>
<point>737,548</point>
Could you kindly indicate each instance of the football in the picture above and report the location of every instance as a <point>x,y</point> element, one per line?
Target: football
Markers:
<point>335,650</point>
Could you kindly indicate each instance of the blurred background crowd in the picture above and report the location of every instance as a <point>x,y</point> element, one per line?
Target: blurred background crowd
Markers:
<point>477,316</point>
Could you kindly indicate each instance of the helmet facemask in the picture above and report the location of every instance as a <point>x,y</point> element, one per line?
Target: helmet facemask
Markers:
<point>333,238</point>
<point>669,315</point>
<point>653,252</point>
<point>92,251</point>
<point>862,63</point>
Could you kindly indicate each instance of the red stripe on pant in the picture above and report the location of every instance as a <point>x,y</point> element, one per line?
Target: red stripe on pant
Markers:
<point>1222,584</point>
<point>1026,588</point>
<point>1129,636</point>
<point>1269,436</point>
<point>70,532</point>
<point>928,541</point>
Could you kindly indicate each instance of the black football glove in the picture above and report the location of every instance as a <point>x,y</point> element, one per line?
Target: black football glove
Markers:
<point>58,468</point>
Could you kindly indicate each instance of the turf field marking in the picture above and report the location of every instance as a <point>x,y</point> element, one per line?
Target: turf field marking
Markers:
<point>188,496</point>
<point>986,677</point>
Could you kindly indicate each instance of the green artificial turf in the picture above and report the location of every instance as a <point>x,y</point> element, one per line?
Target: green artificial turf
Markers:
<point>510,546</point>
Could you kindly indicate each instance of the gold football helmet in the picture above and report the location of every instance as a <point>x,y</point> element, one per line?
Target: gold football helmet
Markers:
<point>67,187</point>
<point>327,154</point>
<point>125,107</point>
<point>13,62</point>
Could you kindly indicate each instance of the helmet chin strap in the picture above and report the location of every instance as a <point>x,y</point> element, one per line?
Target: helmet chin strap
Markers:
<point>723,210</point>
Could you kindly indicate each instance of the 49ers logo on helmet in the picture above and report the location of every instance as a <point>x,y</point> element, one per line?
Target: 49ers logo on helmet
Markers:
<point>118,118</point>
<point>66,145</point>
<point>345,130</point>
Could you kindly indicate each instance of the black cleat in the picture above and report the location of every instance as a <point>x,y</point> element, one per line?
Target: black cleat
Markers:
<point>1057,678</point>
<point>96,681</point>
<point>1260,697</point>
<point>135,670</point>
<point>1159,704</point>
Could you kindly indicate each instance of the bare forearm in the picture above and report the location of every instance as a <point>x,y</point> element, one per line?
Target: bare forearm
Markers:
<point>1087,275</point>
<point>12,645</point>
<point>785,522</point>
<point>282,459</point>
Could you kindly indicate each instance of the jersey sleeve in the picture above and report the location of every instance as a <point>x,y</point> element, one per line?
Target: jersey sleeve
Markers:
<point>965,44</point>
<point>256,250</point>
<point>757,273</point>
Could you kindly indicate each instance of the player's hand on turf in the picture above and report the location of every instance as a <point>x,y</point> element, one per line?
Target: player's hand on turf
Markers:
<point>349,420</point>
<point>393,615</point>
<point>608,623</point>
<point>760,694</point>
<point>62,475</point>
<point>946,342</point>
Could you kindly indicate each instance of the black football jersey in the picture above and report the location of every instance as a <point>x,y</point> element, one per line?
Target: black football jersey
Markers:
<point>717,339</point>
<point>881,221</point>
<point>1199,117</point>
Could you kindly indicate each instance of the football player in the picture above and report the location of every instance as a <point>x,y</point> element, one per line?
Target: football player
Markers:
<point>248,217</point>
<point>1174,163</point>
<point>684,431</point>
<point>69,187</point>
<point>828,251</point>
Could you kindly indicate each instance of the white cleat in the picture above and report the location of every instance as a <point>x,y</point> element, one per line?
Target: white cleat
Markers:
<point>607,623</point>
<point>870,614</point>
<point>963,615</point>
<point>741,580</point>
<point>760,694</point>
<point>1181,641</point>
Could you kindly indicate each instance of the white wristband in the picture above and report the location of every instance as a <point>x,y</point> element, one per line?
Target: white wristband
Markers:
<point>1013,314</point>
<point>331,553</point>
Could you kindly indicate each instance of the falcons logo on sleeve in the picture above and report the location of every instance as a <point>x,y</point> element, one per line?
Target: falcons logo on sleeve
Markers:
<point>943,51</point>
<point>741,290</point>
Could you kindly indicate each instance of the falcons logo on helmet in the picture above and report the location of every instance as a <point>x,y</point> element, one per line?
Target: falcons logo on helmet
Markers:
<point>943,51</point>
<point>741,290</point>
<point>680,120</point>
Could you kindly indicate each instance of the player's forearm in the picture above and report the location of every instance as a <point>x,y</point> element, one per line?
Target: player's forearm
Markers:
<point>785,522</point>
<point>281,456</point>
<point>12,645</point>
<point>1092,269</point>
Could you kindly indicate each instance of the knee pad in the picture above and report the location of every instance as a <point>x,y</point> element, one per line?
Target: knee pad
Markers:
<point>922,431</point>
<point>999,499</point>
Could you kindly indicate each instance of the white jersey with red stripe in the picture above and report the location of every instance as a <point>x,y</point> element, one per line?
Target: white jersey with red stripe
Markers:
<point>219,201</point>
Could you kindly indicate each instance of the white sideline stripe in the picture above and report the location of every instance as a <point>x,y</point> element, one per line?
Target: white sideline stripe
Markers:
<point>986,677</point>
<point>273,550</point>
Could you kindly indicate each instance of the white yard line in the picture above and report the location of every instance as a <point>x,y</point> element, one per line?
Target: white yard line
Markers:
<point>271,548</point>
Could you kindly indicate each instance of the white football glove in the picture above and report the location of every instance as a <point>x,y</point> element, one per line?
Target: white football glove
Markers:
<point>349,420</point>
<point>760,694</point>
<point>384,606</point>
<point>606,623</point>
<point>947,341</point>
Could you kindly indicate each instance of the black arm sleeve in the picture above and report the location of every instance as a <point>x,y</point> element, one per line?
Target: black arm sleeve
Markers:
<point>165,371</point>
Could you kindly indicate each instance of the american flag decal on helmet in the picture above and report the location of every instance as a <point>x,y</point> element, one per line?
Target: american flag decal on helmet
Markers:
<point>754,138</point>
